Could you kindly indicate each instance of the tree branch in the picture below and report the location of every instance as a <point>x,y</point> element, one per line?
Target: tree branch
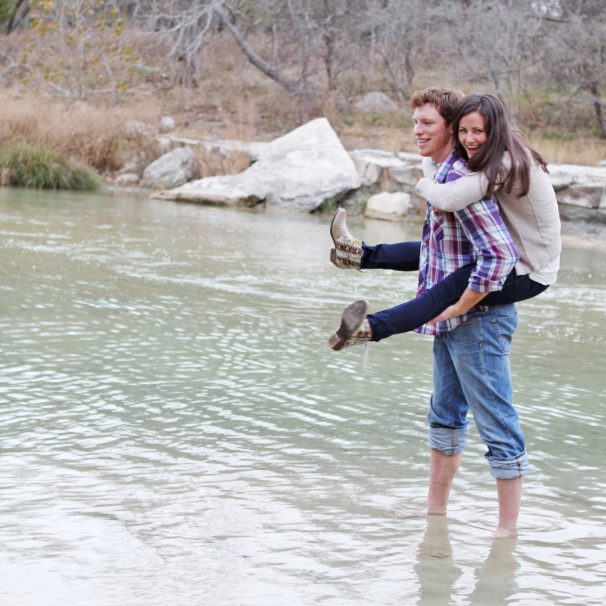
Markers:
<point>292,86</point>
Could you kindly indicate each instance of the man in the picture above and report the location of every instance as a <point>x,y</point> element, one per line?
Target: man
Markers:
<point>471,350</point>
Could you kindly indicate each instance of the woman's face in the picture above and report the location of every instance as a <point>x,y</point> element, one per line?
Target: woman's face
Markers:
<point>471,132</point>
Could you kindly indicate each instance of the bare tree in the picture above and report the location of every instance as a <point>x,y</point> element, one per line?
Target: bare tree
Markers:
<point>496,42</point>
<point>404,35</point>
<point>576,52</point>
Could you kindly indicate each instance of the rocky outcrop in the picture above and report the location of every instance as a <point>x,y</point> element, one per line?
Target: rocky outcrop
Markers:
<point>580,190</point>
<point>222,146</point>
<point>309,165</point>
<point>388,206</point>
<point>172,169</point>
<point>300,170</point>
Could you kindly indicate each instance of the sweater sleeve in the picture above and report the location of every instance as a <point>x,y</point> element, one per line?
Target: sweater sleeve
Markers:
<point>454,195</point>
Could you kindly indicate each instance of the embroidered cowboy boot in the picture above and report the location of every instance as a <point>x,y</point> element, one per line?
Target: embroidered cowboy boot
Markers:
<point>347,253</point>
<point>354,328</point>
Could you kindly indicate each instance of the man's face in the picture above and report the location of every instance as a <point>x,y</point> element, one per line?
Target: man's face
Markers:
<point>433,136</point>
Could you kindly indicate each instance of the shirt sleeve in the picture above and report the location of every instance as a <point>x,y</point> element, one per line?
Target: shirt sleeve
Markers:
<point>494,249</point>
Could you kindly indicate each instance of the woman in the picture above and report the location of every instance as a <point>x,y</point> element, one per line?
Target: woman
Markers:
<point>505,166</point>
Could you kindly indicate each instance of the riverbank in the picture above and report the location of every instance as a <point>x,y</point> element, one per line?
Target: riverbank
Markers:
<point>584,234</point>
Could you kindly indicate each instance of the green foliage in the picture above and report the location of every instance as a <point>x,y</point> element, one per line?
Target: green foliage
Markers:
<point>329,205</point>
<point>25,166</point>
<point>7,8</point>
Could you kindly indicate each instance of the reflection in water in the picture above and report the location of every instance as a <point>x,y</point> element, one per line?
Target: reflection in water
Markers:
<point>496,580</point>
<point>439,571</point>
<point>175,429</point>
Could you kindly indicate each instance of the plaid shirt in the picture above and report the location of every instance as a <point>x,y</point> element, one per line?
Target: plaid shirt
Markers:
<point>475,234</point>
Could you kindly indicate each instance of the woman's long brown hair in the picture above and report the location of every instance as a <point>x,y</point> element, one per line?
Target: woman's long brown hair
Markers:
<point>501,138</point>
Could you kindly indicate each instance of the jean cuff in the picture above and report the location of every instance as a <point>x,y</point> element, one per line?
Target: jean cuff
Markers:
<point>448,440</point>
<point>509,470</point>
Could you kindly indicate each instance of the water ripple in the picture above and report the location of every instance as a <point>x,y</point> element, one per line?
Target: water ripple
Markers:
<point>174,427</point>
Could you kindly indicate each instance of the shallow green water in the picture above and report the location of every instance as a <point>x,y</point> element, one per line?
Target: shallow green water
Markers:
<point>175,430</point>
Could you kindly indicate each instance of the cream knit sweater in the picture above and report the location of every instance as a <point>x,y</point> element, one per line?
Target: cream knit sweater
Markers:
<point>532,220</point>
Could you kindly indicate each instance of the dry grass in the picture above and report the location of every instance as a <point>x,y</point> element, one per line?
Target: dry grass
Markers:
<point>95,136</point>
<point>213,163</point>
<point>585,151</point>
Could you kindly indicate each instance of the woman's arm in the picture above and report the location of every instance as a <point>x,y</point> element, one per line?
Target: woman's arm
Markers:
<point>454,195</point>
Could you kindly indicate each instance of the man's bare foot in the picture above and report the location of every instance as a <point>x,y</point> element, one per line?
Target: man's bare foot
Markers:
<point>503,532</point>
<point>412,513</point>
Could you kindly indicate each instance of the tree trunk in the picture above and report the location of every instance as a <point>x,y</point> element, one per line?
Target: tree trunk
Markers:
<point>293,87</point>
<point>597,108</point>
<point>19,13</point>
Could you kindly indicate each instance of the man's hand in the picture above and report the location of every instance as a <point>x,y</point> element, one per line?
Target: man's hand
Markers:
<point>470,298</point>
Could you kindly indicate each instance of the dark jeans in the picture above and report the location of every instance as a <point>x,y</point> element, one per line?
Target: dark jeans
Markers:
<point>404,256</point>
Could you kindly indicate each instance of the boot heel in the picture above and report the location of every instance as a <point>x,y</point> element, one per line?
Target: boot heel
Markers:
<point>351,320</point>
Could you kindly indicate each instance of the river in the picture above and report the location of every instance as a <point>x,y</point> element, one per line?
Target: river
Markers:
<point>176,431</point>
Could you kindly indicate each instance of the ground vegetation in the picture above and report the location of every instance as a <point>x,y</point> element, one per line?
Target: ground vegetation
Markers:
<point>75,73</point>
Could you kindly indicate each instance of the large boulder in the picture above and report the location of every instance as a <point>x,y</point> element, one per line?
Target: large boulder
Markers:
<point>172,169</point>
<point>299,170</point>
<point>373,164</point>
<point>580,191</point>
<point>388,206</point>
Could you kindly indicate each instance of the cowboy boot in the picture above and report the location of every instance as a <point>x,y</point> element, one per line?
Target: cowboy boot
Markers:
<point>347,253</point>
<point>354,328</point>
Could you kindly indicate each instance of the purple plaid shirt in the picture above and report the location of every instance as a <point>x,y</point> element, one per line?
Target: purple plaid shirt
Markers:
<point>475,234</point>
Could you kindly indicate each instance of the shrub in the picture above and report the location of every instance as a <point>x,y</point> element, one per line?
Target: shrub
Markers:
<point>25,166</point>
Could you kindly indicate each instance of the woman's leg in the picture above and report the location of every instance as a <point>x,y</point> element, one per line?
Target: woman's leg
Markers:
<point>402,256</point>
<point>416,312</point>
<point>516,289</point>
<point>351,253</point>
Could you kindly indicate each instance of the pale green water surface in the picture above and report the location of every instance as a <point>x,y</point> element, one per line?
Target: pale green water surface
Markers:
<point>175,431</point>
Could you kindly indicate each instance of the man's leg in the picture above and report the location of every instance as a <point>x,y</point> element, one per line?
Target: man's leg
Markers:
<point>448,428</point>
<point>510,497</point>
<point>442,471</point>
<point>480,352</point>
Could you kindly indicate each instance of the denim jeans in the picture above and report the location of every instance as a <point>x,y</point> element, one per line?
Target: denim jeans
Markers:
<point>471,372</point>
<point>404,256</point>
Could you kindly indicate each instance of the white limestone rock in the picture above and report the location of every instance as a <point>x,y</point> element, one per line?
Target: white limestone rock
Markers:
<point>391,170</point>
<point>388,206</point>
<point>172,169</point>
<point>582,186</point>
<point>167,124</point>
<point>299,170</point>
<point>127,180</point>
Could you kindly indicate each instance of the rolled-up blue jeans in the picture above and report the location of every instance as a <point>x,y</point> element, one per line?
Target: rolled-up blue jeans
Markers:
<point>472,372</point>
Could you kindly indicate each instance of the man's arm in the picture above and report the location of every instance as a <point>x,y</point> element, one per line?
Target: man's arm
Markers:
<point>469,298</point>
<point>495,251</point>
